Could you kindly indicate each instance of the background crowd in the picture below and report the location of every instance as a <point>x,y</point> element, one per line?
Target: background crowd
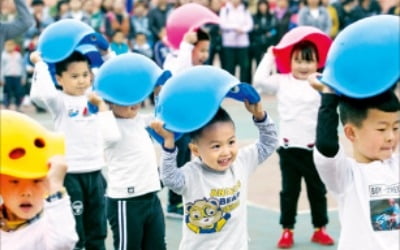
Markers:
<point>139,26</point>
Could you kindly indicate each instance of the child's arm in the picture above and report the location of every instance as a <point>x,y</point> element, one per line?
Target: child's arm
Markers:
<point>268,137</point>
<point>106,120</point>
<point>183,58</point>
<point>331,163</point>
<point>43,92</point>
<point>265,78</point>
<point>60,223</point>
<point>170,174</point>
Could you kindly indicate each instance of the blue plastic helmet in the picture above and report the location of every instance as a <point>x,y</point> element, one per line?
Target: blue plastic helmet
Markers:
<point>190,99</point>
<point>60,39</point>
<point>128,79</point>
<point>364,60</point>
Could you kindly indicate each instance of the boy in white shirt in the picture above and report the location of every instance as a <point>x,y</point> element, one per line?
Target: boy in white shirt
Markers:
<point>84,149</point>
<point>367,182</point>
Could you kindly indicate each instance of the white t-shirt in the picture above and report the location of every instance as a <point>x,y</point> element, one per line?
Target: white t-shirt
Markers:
<point>54,230</point>
<point>131,160</point>
<point>364,191</point>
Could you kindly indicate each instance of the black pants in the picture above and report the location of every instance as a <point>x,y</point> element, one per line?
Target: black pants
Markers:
<point>296,163</point>
<point>13,90</point>
<point>183,156</point>
<point>237,56</point>
<point>88,205</point>
<point>137,223</point>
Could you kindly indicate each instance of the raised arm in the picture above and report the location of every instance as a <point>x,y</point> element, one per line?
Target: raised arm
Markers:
<point>20,24</point>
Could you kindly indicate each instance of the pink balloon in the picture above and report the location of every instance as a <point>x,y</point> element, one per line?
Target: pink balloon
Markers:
<point>283,49</point>
<point>187,17</point>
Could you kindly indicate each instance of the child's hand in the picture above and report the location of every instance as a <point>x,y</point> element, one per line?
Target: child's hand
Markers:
<point>96,100</point>
<point>255,109</point>
<point>317,84</point>
<point>35,57</point>
<point>56,174</point>
<point>190,37</point>
<point>169,139</point>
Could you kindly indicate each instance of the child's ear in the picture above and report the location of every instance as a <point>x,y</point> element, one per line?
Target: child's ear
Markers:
<point>194,149</point>
<point>349,132</point>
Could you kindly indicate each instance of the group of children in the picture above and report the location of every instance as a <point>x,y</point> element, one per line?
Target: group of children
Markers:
<point>214,183</point>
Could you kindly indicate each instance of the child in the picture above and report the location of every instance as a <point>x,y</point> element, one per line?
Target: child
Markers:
<point>141,45</point>
<point>133,207</point>
<point>214,184</point>
<point>193,50</point>
<point>27,220</point>
<point>119,44</point>
<point>297,107</point>
<point>12,75</point>
<point>366,182</point>
<point>84,180</point>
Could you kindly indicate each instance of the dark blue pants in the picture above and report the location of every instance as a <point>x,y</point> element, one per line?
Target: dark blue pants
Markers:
<point>12,89</point>
<point>88,206</point>
<point>137,223</point>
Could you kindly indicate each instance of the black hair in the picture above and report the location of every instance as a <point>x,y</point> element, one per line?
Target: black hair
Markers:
<point>307,50</point>
<point>202,36</point>
<point>62,66</point>
<point>355,111</point>
<point>220,116</point>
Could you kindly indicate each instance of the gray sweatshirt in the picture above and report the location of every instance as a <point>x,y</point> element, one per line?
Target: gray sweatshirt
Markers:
<point>19,25</point>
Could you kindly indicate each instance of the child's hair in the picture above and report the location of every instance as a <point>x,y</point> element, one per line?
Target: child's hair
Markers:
<point>62,66</point>
<point>220,116</point>
<point>307,51</point>
<point>355,111</point>
<point>202,36</point>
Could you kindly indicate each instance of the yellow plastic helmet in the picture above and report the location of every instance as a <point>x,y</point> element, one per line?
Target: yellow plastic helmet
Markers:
<point>26,146</point>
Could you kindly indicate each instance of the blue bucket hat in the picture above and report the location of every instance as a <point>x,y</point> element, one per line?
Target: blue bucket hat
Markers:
<point>363,60</point>
<point>60,39</point>
<point>128,79</point>
<point>189,100</point>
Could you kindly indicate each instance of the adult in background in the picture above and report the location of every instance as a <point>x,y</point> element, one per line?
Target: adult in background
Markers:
<point>313,13</point>
<point>19,25</point>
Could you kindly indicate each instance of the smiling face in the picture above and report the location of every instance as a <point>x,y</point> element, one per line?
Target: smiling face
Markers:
<point>76,79</point>
<point>377,137</point>
<point>216,146</point>
<point>23,198</point>
<point>200,52</point>
<point>301,67</point>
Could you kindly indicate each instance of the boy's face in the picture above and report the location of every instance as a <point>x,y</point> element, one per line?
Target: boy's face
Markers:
<point>125,112</point>
<point>216,146</point>
<point>76,79</point>
<point>377,138</point>
<point>301,68</point>
<point>200,52</point>
<point>24,198</point>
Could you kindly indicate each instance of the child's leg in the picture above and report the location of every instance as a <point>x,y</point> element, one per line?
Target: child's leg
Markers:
<point>316,192</point>
<point>7,92</point>
<point>154,232</point>
<point>94,218</point>
<point>74,188</point>
<point>291,186</point>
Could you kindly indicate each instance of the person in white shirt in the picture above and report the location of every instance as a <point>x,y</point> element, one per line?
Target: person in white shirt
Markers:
<point>297,107</point>
<point>214,184</point>
<point>84,141</point>
<point>133,207</point>
<point>35,210</point>
<point>367,182</point>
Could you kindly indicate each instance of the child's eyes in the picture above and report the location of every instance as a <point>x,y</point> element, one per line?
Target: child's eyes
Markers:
<point>232,142</point>
<point>14,181</point>
<point>38,181</point>
<point>215,146</point>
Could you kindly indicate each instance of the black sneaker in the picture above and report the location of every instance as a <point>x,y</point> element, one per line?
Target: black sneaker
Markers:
<point>175,211</point>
